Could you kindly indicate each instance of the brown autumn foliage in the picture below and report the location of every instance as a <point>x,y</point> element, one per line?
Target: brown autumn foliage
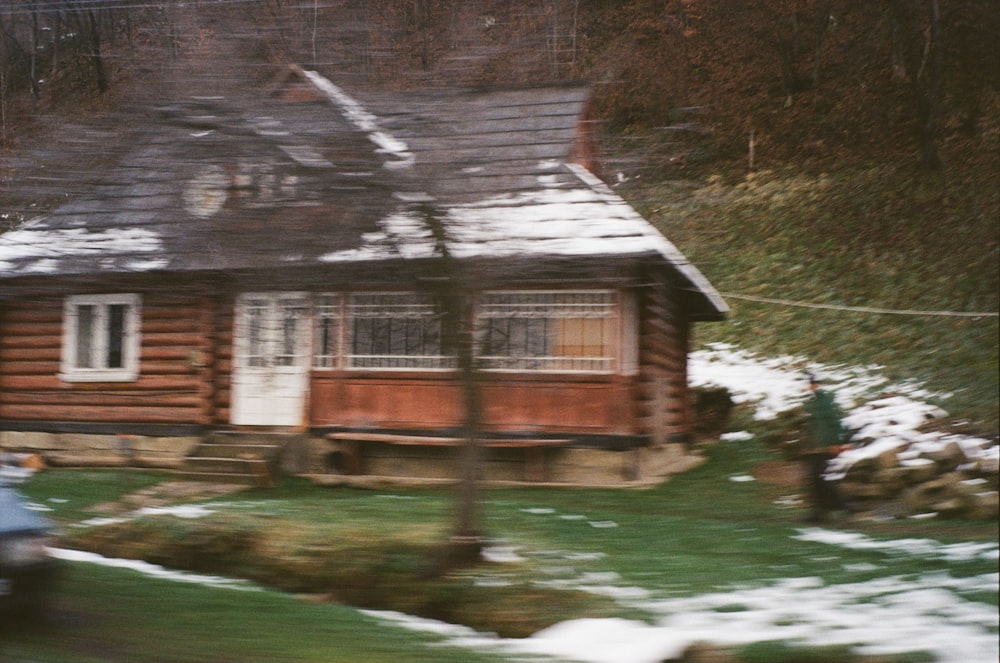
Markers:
<point>807,79</point>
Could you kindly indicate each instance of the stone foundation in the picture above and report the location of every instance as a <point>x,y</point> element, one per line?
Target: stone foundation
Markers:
<point>375,464</point>
<point>386,464</point>
<point>90,450</point>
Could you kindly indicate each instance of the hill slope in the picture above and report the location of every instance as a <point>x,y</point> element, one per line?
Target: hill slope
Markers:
<point>782,145</point>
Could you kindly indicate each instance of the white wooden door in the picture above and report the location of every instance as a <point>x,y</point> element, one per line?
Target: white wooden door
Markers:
<point>271,359</point>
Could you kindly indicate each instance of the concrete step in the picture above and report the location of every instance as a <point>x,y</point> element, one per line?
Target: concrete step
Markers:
<point>248,458</point>
<point>235,450</point>
<point>223,465</point>
<point>225,478</point>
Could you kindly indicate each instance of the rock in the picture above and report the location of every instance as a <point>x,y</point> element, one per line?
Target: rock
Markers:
<point>701,652</point>
<point>927,496</point>
<point>865,491</point>
<point>954,507</point>
<point>861,467</point>
<point>892,480</point>
<point>947,457</point>
<point>886,459</point>
<point>918,470</point>
<point>989,465</point>
<point>943,483</point>
<point>985,505</point>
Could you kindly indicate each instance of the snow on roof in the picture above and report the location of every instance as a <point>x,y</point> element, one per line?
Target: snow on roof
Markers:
<point>364,121</point>
<point>266,184</point>
<point>33,250</point>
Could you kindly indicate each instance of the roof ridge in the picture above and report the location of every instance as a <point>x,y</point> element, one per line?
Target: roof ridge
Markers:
<point>363,120</point>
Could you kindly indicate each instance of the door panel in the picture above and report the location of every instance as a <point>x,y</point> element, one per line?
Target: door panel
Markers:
<point>271,362</point>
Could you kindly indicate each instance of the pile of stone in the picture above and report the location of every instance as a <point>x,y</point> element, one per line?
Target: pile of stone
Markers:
<point>954,477</point>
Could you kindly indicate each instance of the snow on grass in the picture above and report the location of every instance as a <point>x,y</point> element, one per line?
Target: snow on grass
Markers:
<point>889,615</point>
<point>953,552</point>
<point>187,511</point>
<point>885,415</point>
<point>148,569</point>
<point>895,614</point>
<point>741,478</point>
<point>501,555</point>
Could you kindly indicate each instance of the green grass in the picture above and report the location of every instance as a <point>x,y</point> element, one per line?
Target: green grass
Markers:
<point>698,533</point>
<point>862,236</point>
<point>108,615</point>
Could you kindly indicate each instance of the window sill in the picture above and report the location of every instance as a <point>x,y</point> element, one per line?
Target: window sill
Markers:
<point>99,376</point>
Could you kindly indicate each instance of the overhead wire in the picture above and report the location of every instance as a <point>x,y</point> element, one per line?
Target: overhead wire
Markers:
<point>862,309</point>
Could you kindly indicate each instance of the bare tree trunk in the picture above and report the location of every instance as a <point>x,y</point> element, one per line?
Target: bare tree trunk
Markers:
<point>57,35</point>
<point>453,293</point>
<point>315,20</point>
<point>576,16</point>
<point>931,95</point>
<point>33,71</point>
<point>467,532</point>
<point>3,89</point>
<point>922,54</point>
<point>96,57</point>
<point>824,25</point>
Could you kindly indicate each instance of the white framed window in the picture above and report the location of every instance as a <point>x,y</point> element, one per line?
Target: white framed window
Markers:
<point>273,330</point>
<point>393,330</point>
<point>548,330</point>
<point>327,331</point>
<point>101,338</point>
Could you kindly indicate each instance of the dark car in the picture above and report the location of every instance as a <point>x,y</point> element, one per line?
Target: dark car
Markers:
<point>27,570</point>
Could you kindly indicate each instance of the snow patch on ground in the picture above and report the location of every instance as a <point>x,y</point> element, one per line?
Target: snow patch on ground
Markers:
<point>893,614</point>
<point>148,569</point>
<point>953,552</point>
<point>889,615</point>
<point>883,414</point>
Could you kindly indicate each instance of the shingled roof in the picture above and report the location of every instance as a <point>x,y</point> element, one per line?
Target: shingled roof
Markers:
<point>211,185</point>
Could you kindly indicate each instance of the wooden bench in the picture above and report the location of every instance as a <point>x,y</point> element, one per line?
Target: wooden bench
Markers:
<point>534,448</point>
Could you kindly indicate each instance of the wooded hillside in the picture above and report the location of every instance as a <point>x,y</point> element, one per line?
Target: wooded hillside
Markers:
<point>831,151</point>
<point>797,78</point>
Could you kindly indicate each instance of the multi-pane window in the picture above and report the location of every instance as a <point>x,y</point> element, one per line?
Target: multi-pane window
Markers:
<point>570,330</point>
<point>394,330</point>
<point>101,338</point>
<point>564,330</point>
<point>255,317</point>
<point>274,330</point>
<point>327,339</point>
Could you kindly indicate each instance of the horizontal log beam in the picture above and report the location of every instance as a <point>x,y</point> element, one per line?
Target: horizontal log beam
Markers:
<point>112,414</point>
<point>30,342</point>
<point>59,400</point>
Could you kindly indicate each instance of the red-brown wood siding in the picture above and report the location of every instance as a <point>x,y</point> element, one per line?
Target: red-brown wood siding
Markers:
<point>546,403</point>
<point>169,388</point>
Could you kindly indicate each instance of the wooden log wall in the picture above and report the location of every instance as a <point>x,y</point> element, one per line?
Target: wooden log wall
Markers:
<point>175,359</point>
<point>223,322</point>
<point>664,336</point>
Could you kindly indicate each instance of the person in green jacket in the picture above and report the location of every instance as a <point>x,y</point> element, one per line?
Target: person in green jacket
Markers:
<point>823,440</point>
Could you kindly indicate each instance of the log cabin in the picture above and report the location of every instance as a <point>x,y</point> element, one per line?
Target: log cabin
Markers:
<point>274,266</point>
